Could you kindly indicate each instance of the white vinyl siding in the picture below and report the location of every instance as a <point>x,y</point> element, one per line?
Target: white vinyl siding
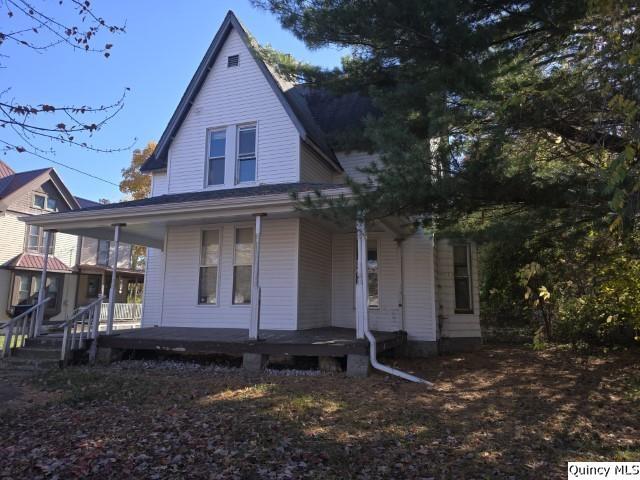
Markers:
<point>159,184</point>
<point>235,96</point>
<point>351,162</point>
<point>66,248</point>
<point>12,242</point>
<point>420,316</point>
<point>386,317</point>
<point>343,280</point>
<point>153,288</point>
<point>314,297</point>
<point>417,255</point>
<point>278,278</point>
<point>312,168</point>
<point>456,324</point>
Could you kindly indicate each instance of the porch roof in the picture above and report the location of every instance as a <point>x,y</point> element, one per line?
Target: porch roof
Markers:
<point>147,219</point>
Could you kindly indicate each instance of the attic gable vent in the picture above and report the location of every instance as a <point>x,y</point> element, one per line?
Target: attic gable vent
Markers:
<point>232,60</point>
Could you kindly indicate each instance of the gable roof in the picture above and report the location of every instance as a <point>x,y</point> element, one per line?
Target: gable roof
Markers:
<point>13,183</point>
<point>5,170</point>
<point>294,105</point>
<point>16,182</point>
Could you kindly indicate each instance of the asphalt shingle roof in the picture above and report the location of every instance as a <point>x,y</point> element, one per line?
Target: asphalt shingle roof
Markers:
<point>243,192</point>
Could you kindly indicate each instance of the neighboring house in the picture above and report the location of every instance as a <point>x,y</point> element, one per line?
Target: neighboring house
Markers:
<point>228,248</point>
<point>74,277</point>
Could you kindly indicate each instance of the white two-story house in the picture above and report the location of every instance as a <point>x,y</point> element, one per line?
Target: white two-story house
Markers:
<point>228,249</point>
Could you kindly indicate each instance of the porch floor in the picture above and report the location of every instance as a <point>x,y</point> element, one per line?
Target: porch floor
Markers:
<point>327,341</point>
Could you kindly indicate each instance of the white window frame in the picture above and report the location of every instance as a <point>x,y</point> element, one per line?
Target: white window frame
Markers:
<point>234,265</point>
<point>208,157</point>
<point>239,128</point>
<point>44,205</point>
<point>201,265</point>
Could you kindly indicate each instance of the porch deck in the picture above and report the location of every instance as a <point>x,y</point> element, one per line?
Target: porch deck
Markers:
<point>328,341</point>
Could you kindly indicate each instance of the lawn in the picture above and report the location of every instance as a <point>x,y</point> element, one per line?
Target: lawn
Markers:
<point>499,413</point>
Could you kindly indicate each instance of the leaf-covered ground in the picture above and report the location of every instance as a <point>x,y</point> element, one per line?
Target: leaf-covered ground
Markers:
<point>498,413</point>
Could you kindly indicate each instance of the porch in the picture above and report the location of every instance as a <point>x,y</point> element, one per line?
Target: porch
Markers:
<point>320,342</point>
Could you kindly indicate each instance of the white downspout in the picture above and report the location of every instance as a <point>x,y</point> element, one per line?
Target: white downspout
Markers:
<point>364,310</point>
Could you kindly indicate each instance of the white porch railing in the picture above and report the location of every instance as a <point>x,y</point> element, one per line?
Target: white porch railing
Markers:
<point>125,315</point>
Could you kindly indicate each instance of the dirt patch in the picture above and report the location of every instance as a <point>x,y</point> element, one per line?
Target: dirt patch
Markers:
<point>498,413</point>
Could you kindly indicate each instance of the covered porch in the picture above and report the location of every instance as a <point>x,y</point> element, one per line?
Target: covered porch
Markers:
<point>277,310</point>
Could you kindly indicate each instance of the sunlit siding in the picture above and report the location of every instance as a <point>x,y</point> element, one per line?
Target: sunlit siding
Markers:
<point>278,279</point>
<point>153,283</point>
<point>12,242</point>
<point>453,324</point>
<point>314,300</point>
<point>66,248</point>
<point>232,96</point>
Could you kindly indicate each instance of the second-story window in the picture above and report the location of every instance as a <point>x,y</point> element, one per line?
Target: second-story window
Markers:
<point>35,240</point>
<point>246,156</point>
<point>39,201</point>
<point>215,167</point>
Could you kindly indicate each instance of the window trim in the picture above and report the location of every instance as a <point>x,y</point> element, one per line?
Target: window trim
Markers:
<point>239,128</point>
<point>45,206</point>
<point>33,201</point>
<point>469,277</point>
<point>210,131</point>
<point>236,227</point>
<point>220,230</point>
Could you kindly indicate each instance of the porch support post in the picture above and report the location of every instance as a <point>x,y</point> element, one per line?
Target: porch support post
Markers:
<point>114,271</point>
<point>254,325</point>
<point>362,287</point>
<point>43,282</point>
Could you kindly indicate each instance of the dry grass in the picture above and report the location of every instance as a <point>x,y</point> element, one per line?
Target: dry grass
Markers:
<point>499,413</point>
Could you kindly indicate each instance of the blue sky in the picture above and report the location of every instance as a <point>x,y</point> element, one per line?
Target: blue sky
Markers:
<point>155,58</point>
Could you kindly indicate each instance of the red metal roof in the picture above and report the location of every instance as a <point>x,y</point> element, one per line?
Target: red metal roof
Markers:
<point>5,170</point>
<point>28,261</point>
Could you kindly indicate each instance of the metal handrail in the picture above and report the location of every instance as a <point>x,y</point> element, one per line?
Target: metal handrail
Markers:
<point>27,328</point>
<point>85,318</point>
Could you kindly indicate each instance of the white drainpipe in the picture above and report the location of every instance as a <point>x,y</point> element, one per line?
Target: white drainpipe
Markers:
<point>364,309</point>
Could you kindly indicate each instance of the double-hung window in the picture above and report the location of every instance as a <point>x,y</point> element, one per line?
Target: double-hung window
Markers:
<point>209,259</point>
<point>39,201</point>
<point>462,278</point>
<point>242,266</point>
<point>246,156</point>
<point>35,240</point>
<point>372,274</point>
<point>215,167</point>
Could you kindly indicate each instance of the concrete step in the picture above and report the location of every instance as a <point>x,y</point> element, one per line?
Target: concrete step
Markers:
<point>44,353</point>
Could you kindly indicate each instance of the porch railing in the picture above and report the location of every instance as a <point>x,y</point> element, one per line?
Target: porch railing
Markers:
<point>124,314</point>
<point>21,327</point>
<point>82,326</point>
